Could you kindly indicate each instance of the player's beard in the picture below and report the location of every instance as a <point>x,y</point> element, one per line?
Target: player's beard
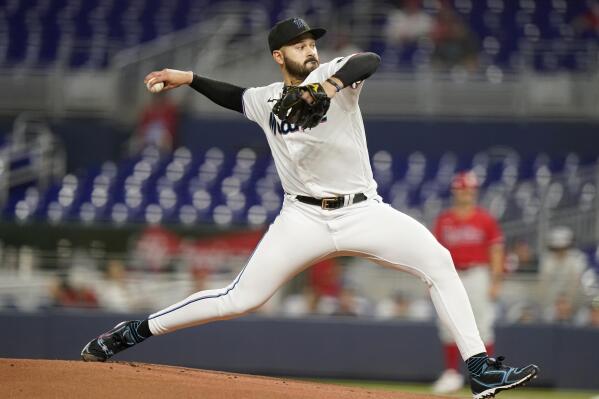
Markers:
<point>301,71</point>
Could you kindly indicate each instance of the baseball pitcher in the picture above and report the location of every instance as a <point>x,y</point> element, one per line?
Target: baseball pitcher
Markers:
<point>314,127</point>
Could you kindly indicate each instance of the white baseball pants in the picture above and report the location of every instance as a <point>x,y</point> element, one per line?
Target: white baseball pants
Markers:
<point>477,282</point>
<point>303,234</point>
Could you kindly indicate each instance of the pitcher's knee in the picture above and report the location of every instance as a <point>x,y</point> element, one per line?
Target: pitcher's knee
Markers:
<point>242,304</point>
<point>443,265</point>
<point>438,257</point>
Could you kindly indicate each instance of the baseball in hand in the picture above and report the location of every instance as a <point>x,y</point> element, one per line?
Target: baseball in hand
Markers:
<point>154,87</point>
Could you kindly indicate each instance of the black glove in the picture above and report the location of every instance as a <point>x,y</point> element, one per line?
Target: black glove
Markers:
<point>292,108</point>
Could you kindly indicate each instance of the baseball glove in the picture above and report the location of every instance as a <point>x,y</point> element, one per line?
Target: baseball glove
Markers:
<point>292,107</point>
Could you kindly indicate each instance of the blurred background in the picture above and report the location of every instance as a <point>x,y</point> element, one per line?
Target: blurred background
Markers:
<point>113,200</point>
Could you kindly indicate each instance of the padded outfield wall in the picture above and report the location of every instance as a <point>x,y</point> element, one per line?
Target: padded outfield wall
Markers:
<point>312,347</point>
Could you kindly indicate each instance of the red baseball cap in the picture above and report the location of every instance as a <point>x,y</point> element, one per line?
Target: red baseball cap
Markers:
<point>464,180</point>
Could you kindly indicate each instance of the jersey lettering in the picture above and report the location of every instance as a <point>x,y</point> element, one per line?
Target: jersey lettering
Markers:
<point>281,128</point>
<point>463,235</point>
<point>284,127</point>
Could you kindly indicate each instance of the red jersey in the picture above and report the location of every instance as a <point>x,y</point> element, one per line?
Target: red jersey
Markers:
<point>468,240</point>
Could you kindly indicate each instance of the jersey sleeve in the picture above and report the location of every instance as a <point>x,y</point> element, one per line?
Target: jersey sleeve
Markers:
<point>348,97</point>
<point>254,102</point>
<point>333,66</point>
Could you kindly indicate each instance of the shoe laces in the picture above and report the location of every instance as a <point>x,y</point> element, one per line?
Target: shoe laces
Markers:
<point>116,339</point>
<point>496,363</point>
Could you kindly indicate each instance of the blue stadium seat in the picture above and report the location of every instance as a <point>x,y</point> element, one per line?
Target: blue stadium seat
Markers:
<point>241,187</point>
<point>89,31</point>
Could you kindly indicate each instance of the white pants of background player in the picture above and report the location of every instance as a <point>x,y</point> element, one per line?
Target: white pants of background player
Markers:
<point>304,234</point>
<point>477,281</point>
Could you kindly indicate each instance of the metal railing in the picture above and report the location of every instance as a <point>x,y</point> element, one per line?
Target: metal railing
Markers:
<point>223,33</point>
<point>582,217</point>
<point>32,154</point>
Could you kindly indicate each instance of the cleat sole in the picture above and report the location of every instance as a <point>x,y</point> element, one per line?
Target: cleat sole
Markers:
<point>490,393</point>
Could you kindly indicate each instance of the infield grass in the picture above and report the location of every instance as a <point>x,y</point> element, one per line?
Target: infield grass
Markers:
<point>522,393</point>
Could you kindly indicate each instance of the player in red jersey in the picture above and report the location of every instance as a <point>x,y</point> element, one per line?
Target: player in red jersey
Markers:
<point>475,241</point>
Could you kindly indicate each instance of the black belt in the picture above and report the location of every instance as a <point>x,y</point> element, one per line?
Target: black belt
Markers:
<point>332,202</point>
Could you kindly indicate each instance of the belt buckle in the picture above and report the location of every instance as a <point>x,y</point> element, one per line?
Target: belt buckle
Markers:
<point>328,203</point>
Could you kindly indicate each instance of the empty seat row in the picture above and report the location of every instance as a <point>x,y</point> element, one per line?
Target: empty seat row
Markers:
<point>242,186</point>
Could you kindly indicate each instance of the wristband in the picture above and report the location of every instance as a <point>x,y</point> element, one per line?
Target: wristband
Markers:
<point>336,85</point>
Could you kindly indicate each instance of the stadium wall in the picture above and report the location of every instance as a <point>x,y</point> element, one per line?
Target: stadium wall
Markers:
<point>91,141</point>
<point>313,347</point>
<point>432,136</point>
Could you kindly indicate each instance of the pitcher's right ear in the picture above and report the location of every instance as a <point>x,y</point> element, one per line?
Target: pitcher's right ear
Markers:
<point>277,55</point>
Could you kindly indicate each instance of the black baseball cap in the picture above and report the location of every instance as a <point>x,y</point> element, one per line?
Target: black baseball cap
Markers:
<point>285,31</point>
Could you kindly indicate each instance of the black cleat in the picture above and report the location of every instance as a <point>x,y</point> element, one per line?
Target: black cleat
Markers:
<point>122,336</point>
<point>496,377</point>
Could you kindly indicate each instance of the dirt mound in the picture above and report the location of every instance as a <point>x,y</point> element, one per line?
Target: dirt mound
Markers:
<point>22,378</point>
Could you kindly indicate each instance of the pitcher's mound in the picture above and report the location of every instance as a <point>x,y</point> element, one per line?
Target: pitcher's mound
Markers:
<point>21,378</point>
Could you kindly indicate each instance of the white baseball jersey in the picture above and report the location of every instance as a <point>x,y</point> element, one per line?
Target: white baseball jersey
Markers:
<point>328,160</point>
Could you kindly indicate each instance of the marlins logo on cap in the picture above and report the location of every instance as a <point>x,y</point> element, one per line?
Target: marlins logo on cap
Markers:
<point>299,23</point>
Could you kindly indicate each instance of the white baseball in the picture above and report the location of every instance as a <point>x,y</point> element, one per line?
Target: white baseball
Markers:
<point>155,87</point>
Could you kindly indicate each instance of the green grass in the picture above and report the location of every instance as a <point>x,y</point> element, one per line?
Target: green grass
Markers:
<point>522,393</point>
